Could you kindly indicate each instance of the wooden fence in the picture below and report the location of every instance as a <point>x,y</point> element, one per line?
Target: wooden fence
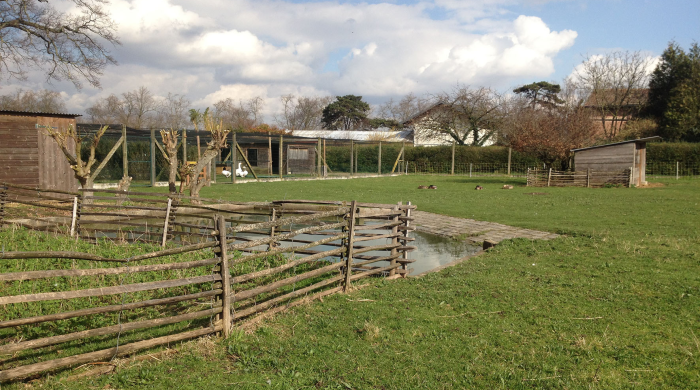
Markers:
<point>60,309</point>
<point>588,178</point>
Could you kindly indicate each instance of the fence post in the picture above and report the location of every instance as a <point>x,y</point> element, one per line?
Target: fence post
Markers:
<point>510,152</point>
<point>153,157</point>
<point>352,157</point>
<point>405,234</point>
<point>677,166</point>
<point>125,155</point>
<point>379,159</point>
<point>225,277</point>
<point>184,148</point>
<point>549,177</point>
<point>167,220</point>
<point>351,242</point>
<point>234,158</point>
<point>470,169</point>
<point>631,177</point>
<point>74,217</point>
<point>452,170</point>
<point>395,239</point>
<point>318,158</point>
<point>281,158</point>
<point>272,244</point>
<point>588,178</point>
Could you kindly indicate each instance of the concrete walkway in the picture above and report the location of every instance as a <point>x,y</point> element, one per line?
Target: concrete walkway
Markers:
<point>473,230</point>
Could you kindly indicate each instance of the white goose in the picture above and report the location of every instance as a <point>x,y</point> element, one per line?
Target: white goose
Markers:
<point>241,172</point>
<point>226,172</point>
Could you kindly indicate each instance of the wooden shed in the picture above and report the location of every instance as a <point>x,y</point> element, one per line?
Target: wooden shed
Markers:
<point>616,157</point>
<point>28,156</point>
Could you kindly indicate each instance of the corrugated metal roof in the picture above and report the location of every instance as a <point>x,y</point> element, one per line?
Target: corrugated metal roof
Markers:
<point>36,113</point>
<point>385,136</point>
<point>647,139</point>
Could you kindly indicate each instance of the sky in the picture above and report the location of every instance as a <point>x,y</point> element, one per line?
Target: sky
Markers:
<point>210,50</point>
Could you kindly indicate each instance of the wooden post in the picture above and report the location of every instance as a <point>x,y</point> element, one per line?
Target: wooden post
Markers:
<point>452,170</point>
<point>588,178</point>
<point>351,242</point>
<point>234,158</point>
<point>403,157</point>
<point>395,240</point>
<point>184,148</point>
<point>153,157</point>
<point>631,177</point>
<point>281,158</point>
<point>269,155</point>
<point>405,234</point>
<point>271,245</point>
<point>470,169</point>
<point>325,162</point>
<point>125,155</point>
<point>225,277</point>
<point>352,157</point>
<point>74,218</point>
<point>318,157</point>
<point>677,169</point>
<point>357,157</point>
<point>398,159</point>
<point>379,159</point>
<point>549,177</point>
<point>246,161</point>
<point>167,222</point>
<point>510,152</point>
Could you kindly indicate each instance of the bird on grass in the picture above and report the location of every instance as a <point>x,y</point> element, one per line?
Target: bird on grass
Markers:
<point>241,172</point>
<point>479,188</point>
<point>226,172</point>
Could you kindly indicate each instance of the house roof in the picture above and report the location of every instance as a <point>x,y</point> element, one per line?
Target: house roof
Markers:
<point>647,139</point>
<point>379,135</point>
<point>37,113</point>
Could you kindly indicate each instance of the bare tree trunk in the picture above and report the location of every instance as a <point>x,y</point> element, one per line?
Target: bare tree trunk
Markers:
<point>197,183</point>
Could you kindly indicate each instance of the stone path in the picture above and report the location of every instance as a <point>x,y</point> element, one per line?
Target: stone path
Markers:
<point>473,230</point>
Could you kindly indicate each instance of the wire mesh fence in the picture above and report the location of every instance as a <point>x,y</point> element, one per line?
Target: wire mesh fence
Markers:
<point>264,156</point>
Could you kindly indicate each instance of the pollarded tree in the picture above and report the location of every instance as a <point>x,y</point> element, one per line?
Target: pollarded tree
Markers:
<point>170,138</point>
<point>68,46</point>
<point>218,133</point>
<point>345,113</point>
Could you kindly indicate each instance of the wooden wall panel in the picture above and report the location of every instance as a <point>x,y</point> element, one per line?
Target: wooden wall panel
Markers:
<point>609,158</point>
<point>19,154</point>
<point>54,170</point>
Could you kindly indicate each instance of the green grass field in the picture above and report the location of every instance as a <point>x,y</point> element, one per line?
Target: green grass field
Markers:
<point>613,304</point>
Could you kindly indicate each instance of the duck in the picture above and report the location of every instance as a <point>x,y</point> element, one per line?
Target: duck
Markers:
<point>432,187</point>
<point>241,172</point>
<point>422,187</point>
<point>226,172</point>
<point>479,188</point>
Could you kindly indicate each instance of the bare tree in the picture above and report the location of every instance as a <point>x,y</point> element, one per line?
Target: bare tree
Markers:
<point>70,139</point>
<point>218,141</point>
<point>138,104</point>
<point>302,112</point>
<point>466,115</point>
<point>403,110</point>
<point>239,116</point>
<point>107,111</point>
<point>68,46</point>
<point>173,111</point>
<point>615,85</point>
<point>36,101</point>
<point>170,138</point>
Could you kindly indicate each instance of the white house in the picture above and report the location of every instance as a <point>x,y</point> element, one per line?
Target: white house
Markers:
<point>423,125</point>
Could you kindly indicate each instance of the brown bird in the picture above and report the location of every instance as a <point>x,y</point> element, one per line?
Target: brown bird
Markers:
<point>422,187</point>
<point>479,188</point>
<point>507,187</point>
<point>432,187</point>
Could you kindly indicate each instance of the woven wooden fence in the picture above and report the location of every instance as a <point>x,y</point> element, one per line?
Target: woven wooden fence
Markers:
<point>63,309</point>
<point>588,178</point>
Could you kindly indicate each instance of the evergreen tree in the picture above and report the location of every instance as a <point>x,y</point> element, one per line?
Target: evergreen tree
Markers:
<point>345,113</point>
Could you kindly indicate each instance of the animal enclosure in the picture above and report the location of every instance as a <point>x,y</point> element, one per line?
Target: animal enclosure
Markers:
<point>227,263</point>
<point>588,178</point>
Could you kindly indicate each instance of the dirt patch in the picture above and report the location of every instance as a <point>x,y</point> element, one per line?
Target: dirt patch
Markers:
<point>653,185</point>
<point>536,193</point>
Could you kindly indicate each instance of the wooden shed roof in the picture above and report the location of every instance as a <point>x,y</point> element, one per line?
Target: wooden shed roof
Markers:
<point>647,139</point>
<point>36,113</point>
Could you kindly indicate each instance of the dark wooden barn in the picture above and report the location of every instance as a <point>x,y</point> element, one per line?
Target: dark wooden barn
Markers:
<point>28,156</point>
<point>616,157</point>
<point>262,151</point>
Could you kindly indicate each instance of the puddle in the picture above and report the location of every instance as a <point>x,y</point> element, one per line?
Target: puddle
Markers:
<point>434,251</point>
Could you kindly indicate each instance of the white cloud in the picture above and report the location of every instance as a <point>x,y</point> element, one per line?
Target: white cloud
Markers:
<point>212,49</point>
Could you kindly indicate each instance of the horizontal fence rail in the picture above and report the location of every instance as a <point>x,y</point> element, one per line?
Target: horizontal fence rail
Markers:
<point>232,263</point>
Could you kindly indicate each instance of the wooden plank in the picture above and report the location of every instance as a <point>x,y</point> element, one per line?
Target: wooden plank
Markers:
<point>125,327</point>
<point>285,282</point>
<point>96,292</point>
<point>33,275</point>
<point>107,309</point>
<point>225,277</point>
<point>287,249</point>
<point>127,349</point>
